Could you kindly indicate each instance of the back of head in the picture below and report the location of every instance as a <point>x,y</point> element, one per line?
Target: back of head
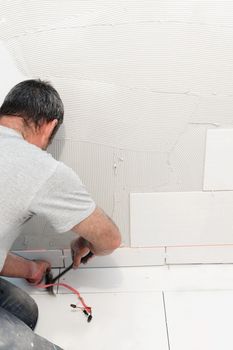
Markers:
<point>35,101</point>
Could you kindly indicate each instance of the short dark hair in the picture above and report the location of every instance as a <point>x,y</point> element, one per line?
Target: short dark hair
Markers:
<point>35,101</point>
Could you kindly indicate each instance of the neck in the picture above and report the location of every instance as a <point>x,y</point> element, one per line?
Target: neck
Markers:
<point>39,137</point>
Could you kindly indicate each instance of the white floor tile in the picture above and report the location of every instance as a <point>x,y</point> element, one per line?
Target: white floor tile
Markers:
<point>199,277</point>
<point>155,278</point>
<point>121,321</point>
<point>142,279</point>
<point>200,320</point>
<point>128,302</point>
<point>98,280</point>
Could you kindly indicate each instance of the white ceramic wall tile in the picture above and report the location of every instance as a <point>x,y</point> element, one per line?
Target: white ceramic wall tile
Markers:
<point>120,321</point>
<point>194,255</point>
<point>200,320</point>
<point>124,257</point>
<point>183,218</point>
<point>219,161</point>
<point>157,278</point>
<point>55,257</point>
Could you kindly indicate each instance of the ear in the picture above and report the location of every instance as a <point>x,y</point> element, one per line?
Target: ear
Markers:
<point>47,130</point>
<point>52,125</point>
<point>49,127</point>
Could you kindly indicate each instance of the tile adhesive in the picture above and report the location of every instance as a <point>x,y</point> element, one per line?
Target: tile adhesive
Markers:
<point>132,94</point>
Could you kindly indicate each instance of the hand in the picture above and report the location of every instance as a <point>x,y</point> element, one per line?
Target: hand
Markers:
<point>80,248</point>
<point>38,270</point>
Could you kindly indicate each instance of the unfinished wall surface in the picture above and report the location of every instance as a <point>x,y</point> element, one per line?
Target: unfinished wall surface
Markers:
<point>141,82</point>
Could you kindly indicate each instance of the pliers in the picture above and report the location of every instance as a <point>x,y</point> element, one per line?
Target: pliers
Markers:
<point>49,279</point>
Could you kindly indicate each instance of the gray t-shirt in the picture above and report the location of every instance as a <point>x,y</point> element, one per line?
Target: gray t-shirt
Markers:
<point>32,182</point>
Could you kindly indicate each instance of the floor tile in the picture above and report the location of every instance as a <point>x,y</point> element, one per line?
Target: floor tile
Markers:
<point>121,321</point>
<point>200,320</point>
<point>142,279</point>
<point>199,277</point>
<point>128,279</point>
<point>154,278</point>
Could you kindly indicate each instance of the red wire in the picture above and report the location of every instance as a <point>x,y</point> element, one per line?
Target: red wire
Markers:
<point>75,291</point>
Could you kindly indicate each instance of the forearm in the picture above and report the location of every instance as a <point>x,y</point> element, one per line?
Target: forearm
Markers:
<point>99,251</point>
<point>16,266</point>
<point>107,239</point>
<point>100,245</point>
<point>100,232</point>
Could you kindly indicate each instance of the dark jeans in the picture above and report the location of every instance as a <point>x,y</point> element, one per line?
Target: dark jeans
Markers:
<point>18,318</point>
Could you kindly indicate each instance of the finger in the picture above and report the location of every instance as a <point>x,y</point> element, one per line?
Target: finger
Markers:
<point>81,255</point>
<point>85,259</point>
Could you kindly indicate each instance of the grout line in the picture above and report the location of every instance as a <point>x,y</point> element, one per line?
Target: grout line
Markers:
<point>63,258</point>
<point>165,313</point>
<point>117,292</point>
<point>58,281</point>
<point>126,266</point>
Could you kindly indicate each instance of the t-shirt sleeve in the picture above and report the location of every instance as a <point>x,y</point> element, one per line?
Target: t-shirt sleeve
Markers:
<point>63,200</point>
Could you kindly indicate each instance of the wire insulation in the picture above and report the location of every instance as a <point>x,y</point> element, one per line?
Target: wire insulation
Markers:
<point>75,291</point>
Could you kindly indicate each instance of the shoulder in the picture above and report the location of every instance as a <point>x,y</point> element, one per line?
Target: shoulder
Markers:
<point>36,156</point>
<point>29,161</point>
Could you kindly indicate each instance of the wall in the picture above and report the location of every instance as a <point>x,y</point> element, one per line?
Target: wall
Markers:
<point>141,81</point>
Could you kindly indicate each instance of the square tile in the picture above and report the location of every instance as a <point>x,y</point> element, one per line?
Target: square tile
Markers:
<point>120,321</point>
<point>199,320</point>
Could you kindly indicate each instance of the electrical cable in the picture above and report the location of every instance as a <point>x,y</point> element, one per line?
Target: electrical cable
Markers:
<point>50,283</point>
<point>86,309</point>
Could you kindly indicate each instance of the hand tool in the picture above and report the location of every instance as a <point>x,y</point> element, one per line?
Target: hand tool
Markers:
<point>49,279</point>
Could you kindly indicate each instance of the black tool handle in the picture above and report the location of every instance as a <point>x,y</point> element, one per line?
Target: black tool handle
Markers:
<point>62,273</point>
<point>83,261</point>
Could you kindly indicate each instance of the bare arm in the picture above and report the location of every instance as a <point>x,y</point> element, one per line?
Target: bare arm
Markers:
<point>16,266</point>
<point>100,232</point>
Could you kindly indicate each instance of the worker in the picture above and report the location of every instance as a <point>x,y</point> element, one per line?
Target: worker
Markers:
<point>33,183</point>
